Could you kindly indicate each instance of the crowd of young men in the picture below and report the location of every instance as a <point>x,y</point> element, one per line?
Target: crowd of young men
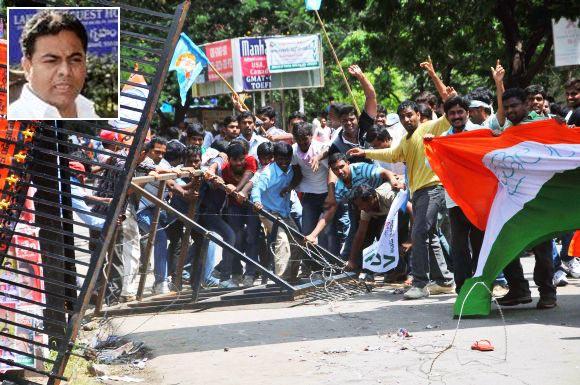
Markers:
<point>334,180</point>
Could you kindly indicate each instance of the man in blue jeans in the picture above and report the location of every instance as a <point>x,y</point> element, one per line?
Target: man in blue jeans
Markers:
<point>156,149</point>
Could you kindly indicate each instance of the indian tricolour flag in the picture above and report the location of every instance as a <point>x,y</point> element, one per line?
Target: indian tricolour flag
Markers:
<point>522,188</point>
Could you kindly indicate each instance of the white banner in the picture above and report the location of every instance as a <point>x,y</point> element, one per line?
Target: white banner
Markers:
<point>566,42</point>
<point>294,53</point>
<point>383,255</point>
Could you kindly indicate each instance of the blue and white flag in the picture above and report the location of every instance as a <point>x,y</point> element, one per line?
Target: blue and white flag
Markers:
<point>383,255</point>
<point>188,61</point>
<point>312,5</point>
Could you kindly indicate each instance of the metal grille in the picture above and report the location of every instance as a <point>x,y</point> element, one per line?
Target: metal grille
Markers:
<point>37,155</point>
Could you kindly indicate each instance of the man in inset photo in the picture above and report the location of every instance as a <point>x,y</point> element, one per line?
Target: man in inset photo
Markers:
<point>54,60</point>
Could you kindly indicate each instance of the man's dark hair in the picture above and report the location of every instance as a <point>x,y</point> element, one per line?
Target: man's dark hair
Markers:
<point>265,149</point>
<point>572,83</point>
<point>220,145</point>
<point>155,140</point>
<point>195,129</point>
<point>426,97</point>
<point>268,111</point>
<point>336,107</point>
<point>297,115</point>
<point>175,151</point>
<point>456,101</point>
<point>336,157</point>
<point>244,115</point>
<point>323,114</point>
<point>191,151</point>
<point>283,149</point>
<point>407,104</point>
<point>363,192</point>
<point>50,22</point>
<point>228,120</point>
<point>302,129</point>
<point>377,133</point>
<point>517,93</point>
<point>425,111</point>
<point>558,109</point>
<point>235,150</point>
<point>242,143</point>
<point>534,89</point>
<point>172,133</point>
<point>381,110</point>
<point>482,94</point>
<point>347,110</point>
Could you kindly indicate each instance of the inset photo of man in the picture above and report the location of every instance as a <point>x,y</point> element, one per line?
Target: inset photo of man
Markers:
<point>64,63</point>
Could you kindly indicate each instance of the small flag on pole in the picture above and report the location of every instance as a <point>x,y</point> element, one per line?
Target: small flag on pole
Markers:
<point>312,5</point>
<point>188,61</point>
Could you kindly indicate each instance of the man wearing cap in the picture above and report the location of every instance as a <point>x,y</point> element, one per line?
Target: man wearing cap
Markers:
<point>54,47</point>
<point>80,197</point>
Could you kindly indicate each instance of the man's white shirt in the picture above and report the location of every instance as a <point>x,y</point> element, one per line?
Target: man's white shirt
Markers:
<point>31,107</point>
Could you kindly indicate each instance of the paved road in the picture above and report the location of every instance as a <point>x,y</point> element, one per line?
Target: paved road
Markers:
<point>355,342</point>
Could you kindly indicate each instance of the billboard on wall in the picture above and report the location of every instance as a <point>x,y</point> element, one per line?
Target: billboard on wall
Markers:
<point>254,64</point>
<point>219,54</point>
<point>293,53</point>
<point>566,42</point>
<point>251,70</point>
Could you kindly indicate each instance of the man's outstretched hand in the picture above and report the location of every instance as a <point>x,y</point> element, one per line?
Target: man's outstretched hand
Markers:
<point>355,71</point>
<point>356,152</point>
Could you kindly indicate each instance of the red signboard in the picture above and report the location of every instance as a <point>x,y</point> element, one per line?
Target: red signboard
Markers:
<point>220,55</point>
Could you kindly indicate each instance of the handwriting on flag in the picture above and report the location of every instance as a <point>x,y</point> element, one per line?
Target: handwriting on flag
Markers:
<point>383,255</point>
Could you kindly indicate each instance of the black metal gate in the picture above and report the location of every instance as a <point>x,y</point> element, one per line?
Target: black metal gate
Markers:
<point>38,155</point>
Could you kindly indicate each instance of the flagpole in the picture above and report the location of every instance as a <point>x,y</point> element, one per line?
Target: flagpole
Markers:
<point>337,62</point>
<point>227,84</point>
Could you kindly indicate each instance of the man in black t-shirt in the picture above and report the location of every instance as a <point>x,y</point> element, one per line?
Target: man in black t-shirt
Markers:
<point>573,99</point>
<point>354,128</point>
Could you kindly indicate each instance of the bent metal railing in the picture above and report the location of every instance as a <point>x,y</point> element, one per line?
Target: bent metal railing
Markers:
<point>44,256</point>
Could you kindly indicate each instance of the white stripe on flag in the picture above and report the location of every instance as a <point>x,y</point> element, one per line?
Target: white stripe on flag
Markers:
<point>521,170</point>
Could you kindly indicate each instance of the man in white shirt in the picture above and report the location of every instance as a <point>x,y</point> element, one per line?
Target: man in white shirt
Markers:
<point>54,48</point>
<point>312,176</point>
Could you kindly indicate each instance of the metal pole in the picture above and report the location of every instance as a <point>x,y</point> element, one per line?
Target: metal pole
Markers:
<point>184,248</point>
<point>196,227</point>
<point>300,100</point>
<point>263,98</point>
<point>107,272</point>
<point>146,256</point>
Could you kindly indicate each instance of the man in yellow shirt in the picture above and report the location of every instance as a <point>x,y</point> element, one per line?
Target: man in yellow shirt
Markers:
<point>427,197</point>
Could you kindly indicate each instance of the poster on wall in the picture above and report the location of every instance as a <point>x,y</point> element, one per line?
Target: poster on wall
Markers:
<point>219,54</point>
<point>293,53</point>
<point>254,65</point>
<point>102,29</point>
<point>566,42</point>
<point>21,289</point>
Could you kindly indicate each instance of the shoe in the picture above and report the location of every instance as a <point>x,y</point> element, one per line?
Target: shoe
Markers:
<point>416,293</point>
<point>499,291</point>
<point>560,278</point>
<point>210,282</point>
<point>215,273</point>
<point>514,299</point>
<point>237,278</point>
<point>228,284</point>
<point>435,288</point>
<point>161,288</point>
<point>546,303</point>
<point>127,298</point>
<point>248,281</point>
<point>573,267</point>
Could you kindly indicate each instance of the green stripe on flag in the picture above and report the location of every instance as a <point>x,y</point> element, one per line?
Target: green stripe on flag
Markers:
<point>554,210</point>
